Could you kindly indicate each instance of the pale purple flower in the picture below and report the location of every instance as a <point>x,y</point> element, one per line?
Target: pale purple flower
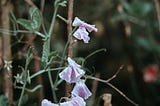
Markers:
<point>72,73</point>
<point>83,27</point>
<point>78,101</point>
<point>45,102</point>
<point>80,89</point>
<point>75,101</point>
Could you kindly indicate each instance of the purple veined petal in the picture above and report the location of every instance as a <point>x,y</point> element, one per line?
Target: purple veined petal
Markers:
<point>77,22</point>
<point>72,62</point>
<point>65,74</point>
<point>81,90</point>
<point>76,74</point>
<point>45,102</point>
<point>71,74</point>
<point>78,101</point>
<point>82,34</point>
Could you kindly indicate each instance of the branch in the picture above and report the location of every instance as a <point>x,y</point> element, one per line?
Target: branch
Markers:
<point>122,94</point>
<point>112,86</point>
<point>70,48</point>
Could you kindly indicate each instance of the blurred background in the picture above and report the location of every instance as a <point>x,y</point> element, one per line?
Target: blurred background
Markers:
<point>129,30</point>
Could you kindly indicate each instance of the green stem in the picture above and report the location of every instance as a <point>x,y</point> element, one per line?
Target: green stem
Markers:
<point>48,41</point>
<point>63,55</point>
<point>29,90</point>
<point>53,21</point>
<point>5,31</point>
<point>52,86</point>
<point>43,71</point>
<point>22,93</point>
<point>93,53</point>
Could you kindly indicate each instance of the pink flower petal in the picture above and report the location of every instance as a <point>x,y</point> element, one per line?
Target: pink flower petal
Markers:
<point>77,22</point>
<point>90,28</point>
<point>78,101</point>
<point>82,34</point>
<point>72,73</point>
<point>81,90</point>
<point>72,62</point>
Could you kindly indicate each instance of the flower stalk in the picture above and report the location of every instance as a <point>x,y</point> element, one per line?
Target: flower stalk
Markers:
<point>70,48</point>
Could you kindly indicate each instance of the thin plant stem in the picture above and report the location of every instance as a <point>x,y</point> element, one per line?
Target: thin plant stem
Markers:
<point>93,53</point>
<point>43,71</point>
<point>112,86</point>
<point>63,19</point>
<point>122,94</point>
<point>52,86</point>
<point>5,31</point>
<point>68,42</point>
<point>29,90</point>
<point>22,93</point>
<point>48,42</point>
<point>63,56</point>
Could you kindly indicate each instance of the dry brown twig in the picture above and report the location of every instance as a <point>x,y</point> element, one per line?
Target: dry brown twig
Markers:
<point>112,86</point>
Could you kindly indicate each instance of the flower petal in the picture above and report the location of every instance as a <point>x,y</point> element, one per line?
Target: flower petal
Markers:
<point>45,102</point>
<point>72,62</point>
<point>68,103</point>
<point>78,101</point>
<point>81,90</point>
<point>82,34</point>
<point>72,73</point>
<point>77,22</point>
<point>90,28</point>
<point>75,101</point>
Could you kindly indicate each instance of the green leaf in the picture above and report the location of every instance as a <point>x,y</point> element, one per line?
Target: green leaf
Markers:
<point>25,23</point>
<point>34,23</point>
<point>4,100</point>
<point>36,18</point>
<point>46,51</point>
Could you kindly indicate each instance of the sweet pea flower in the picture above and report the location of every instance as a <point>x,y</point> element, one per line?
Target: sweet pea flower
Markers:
<point>75,101</point>
<point>45,102</point>
<point>81,90</point>
<point>72,73</point>
<point>83,27</point>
